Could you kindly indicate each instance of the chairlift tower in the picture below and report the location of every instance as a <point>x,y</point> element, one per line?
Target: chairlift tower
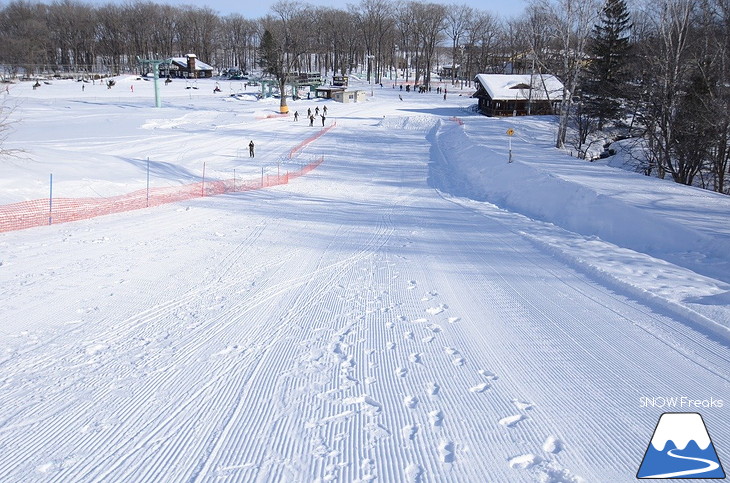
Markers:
<point>156,72</point>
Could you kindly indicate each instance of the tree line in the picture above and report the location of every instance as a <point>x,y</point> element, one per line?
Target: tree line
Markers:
<point>655,70</point>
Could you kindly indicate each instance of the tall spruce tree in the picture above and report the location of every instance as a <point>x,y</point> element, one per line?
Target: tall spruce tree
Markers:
<point>606,77</point>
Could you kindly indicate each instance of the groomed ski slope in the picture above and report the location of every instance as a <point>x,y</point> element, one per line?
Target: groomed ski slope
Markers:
<point>369,321</point>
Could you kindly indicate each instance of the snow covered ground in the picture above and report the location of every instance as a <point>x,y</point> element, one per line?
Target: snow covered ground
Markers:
<point>415,309</point>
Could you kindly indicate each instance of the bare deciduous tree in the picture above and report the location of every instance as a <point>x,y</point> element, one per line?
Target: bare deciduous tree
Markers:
<point>458,19</point>
<point>666,56</point>
<point>571,22</point>
<point>429,21</point>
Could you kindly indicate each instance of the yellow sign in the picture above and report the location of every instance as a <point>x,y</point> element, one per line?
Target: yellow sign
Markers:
<point>510,132</point>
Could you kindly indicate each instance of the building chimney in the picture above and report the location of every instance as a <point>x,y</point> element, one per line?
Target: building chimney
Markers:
<point>191,66</point>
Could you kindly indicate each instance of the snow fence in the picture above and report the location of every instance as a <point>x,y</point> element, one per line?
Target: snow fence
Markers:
<point>48,211</point>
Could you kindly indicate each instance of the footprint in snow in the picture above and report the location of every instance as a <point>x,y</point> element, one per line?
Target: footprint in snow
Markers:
<point>365,403</point>
<point>410,402</point>
<point>433,388</point>
<point>446,451</point>
<point>523,405</point>
<point>367,469</point>
<point>437,310</point>
<point>453,320</point>
<point>428,339</point>
<point>95,349</point>
<point>511,421</point>
<point>413,473</point>
<point>488,374</point>
<point>552,445</point>
<point>458,361</point>
<point>523,462</point>
<point>415,358</point>
<point>390,345</point>
<point>408,335</point>
<point>401,372</point>
<point>436,418</point>
<point>480,387</point>
<point>409,431</point>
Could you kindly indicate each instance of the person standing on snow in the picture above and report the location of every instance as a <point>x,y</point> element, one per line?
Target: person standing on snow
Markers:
<point>296,116</point>
<point>323,120</point>
<point>250,149</point>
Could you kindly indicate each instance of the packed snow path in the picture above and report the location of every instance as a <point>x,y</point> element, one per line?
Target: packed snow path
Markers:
<point>356,324</point>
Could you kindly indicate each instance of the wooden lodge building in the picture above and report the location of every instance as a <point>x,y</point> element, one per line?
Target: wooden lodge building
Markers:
<point>188,67</point>
<point>518,95</point>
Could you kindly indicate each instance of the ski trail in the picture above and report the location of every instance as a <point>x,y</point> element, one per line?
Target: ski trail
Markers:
<point>711,466</point>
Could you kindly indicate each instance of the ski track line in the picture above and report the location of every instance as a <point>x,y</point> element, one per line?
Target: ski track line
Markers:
<point>309,296</point>
<point>697,339</point>
<point>309,293</point>
<point>582,344</point>
<point>605,386</point>
<point>158,308</point>
<point>146,316</point>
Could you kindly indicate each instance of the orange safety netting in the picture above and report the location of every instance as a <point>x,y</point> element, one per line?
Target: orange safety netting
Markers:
<point>27,214</point>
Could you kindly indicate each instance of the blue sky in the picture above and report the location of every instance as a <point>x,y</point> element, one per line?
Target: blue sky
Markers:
<point>259,8</point>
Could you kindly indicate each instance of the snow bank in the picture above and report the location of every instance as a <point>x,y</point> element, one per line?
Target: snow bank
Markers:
<point>530,187</point>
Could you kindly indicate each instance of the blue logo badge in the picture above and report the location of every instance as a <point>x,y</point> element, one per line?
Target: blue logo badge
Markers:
<point>680,448</point>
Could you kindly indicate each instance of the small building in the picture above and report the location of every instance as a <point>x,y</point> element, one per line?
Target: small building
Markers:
<point>188,67</point>
<point>325,92</point>
<point>346,97</point>
<point>447,71</point>
<point>518,95</point>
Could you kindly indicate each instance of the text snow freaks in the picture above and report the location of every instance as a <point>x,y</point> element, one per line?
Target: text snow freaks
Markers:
<point>682,402</point>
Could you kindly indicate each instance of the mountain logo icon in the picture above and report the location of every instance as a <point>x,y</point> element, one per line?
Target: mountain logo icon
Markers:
<point>680,448</point>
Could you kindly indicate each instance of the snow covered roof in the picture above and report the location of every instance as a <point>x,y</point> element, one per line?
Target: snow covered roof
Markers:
<point>183,62</point>
<point>517,86</point>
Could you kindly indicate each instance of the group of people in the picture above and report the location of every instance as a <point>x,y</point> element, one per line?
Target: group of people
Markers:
<point>311,115</point>
<point>421,89</point>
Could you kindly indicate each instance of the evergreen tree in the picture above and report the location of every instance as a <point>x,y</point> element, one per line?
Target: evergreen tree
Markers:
<point>270,55</point>
<point>606,77</point>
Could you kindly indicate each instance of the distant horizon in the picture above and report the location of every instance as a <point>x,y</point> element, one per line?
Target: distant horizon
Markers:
<point>260,9</point>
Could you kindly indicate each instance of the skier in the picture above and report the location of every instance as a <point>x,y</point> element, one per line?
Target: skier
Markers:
<point>316,111</point>
<point>250,149</point>
<point>323,120</point>
<point>311,119</point>
<point>309,112</point>
<point>296,116</point>
<point>324,110</point>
